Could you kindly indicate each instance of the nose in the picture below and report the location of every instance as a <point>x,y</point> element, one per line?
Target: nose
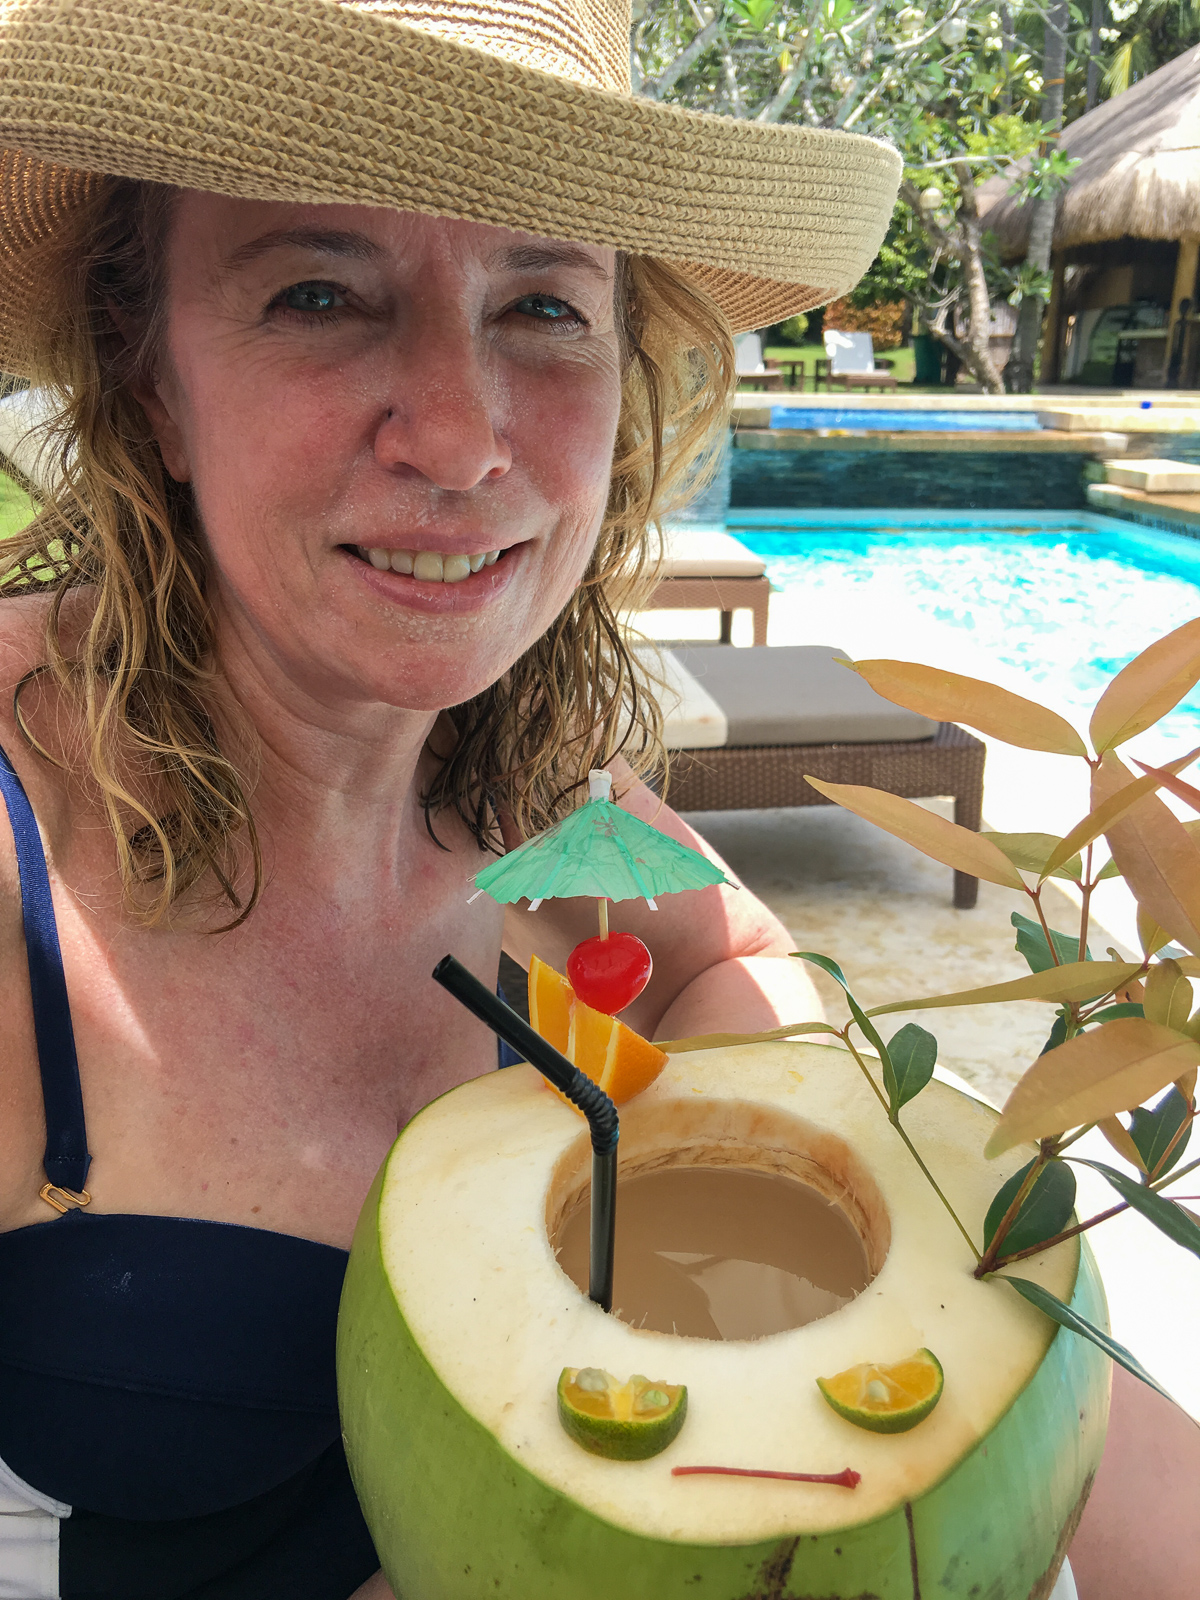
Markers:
<point>442,419</point>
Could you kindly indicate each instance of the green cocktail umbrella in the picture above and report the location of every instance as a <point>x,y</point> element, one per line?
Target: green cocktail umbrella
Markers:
<point>599,851</point>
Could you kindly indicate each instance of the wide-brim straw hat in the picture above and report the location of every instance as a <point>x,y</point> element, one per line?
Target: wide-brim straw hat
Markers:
<point>512,112</point>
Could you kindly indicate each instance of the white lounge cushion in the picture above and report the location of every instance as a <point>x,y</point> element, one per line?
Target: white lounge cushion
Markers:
<point>707,553</point>
<point>849,352</point>
<point>796,694</point>
<point>692,719</point>
<point>22,416</point>
<point>748,355</point>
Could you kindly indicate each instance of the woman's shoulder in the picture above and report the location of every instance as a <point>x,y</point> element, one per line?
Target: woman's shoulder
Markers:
<point>23,650</point>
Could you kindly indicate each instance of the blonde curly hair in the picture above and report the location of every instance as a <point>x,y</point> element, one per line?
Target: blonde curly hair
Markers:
<point>143,673</point>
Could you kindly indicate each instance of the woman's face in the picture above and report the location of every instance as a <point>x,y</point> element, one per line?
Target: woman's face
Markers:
<point>399,431</point>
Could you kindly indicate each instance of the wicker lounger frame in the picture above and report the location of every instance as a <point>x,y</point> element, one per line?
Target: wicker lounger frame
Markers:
<point>755,777</point>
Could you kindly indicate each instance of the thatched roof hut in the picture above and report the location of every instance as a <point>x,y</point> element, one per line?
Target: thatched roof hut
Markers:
<point>1139,172</point>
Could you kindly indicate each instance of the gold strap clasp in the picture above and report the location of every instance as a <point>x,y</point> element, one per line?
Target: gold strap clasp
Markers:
<point>63,1200</point>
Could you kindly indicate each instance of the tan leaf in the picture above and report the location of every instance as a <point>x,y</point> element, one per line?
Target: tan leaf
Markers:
<point>1093,1075</point>
<point>721,1041</point>
<point>1031,851</point>
<point>1147,688</point>
<point>947,697</point>
<point>1118,1136</point>
<point>957,847</point>
<point>1187,792</point>
<point>1075,980</point>
<point>1102,817</point>
<point>1187,1084</point>
<point>1168,997</point>
<point>1151,935</point>
<point>1159,859</point>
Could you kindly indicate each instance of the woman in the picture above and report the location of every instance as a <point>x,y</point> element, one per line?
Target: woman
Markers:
<point>355,463</point>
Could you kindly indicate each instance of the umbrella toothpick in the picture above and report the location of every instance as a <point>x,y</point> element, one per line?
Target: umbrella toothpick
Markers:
<point>602,903</point>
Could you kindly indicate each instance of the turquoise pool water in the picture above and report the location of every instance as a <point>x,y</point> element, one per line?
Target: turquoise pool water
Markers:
<point>856,420</point>
<point>1065,599</point>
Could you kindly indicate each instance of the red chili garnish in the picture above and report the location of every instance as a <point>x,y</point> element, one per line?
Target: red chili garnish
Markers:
<point>844,1480</point>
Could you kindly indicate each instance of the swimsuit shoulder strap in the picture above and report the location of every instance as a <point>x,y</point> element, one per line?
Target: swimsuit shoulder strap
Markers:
<point>67,1159</point>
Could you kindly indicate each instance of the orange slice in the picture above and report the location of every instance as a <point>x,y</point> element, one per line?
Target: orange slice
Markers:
<point>550,997</point>
<point>612,1055</point>
<point>886,1399</point>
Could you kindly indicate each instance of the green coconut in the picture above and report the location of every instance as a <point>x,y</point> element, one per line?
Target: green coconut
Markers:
<point>457,1321</point>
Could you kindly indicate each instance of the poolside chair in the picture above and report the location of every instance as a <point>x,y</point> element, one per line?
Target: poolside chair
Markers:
<point>23,414</point>
<point>704,568</point>
<point>746,726</point>
<point>753,372</point>
<point>850,362</point>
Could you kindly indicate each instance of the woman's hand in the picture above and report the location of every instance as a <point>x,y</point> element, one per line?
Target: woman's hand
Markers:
<point>375,1588</point>
<point>720,957</point>
<point>1139,1538</point>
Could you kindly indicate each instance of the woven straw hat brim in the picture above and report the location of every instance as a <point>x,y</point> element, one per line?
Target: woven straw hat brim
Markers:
<point>316,102</point>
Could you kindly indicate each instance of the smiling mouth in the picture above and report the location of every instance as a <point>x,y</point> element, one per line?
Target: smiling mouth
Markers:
<point>427,566</point>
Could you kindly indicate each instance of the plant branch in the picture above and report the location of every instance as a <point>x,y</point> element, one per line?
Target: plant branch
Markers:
<point>1103,1216</point>
<point>657,88</point>
<point>912,1149</point>
<point>987,1261</point>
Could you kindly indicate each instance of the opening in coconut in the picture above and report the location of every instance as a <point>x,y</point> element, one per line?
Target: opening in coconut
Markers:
<point>734,1220</point>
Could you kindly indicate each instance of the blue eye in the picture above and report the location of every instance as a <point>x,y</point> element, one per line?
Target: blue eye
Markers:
<point>546,308</point>
<point>312,298</point>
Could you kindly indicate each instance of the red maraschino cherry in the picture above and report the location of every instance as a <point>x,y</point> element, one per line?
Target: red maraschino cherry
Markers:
<point>609,974</point>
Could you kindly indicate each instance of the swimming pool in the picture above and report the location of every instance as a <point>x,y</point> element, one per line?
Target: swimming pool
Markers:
<point>1050,604</point>
<point>854,420</point>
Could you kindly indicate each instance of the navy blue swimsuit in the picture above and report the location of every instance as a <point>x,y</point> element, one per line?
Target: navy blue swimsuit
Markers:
<point>169,1380</point>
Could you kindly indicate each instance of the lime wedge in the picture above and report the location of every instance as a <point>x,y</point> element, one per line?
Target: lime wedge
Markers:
<point>623,1421</point>
<point>886,1399</point>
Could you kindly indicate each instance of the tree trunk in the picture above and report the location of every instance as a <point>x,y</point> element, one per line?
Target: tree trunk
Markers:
<point>1018,374</point>
<point>1093,73</point>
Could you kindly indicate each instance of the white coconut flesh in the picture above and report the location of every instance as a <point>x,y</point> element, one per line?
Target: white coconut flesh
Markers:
<point>479,1182</point>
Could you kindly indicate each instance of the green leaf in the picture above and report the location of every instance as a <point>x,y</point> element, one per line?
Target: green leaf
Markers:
<point>913,1052</point>
<point>1171,1219</point>
<point>1066,1317</point>
<point>1111,1013</point>
<point>1045,1210</point>
<point>1058,1035</point>
<point>1031,943</point>
<point>826,965</point>
<point>1153,1128</point>
<point>856,1011</point>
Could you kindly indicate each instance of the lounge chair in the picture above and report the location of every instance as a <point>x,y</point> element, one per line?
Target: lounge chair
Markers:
<point>704,568</point>
<point>746,726</point>
<point>753,372</point>
<point>850,361</point>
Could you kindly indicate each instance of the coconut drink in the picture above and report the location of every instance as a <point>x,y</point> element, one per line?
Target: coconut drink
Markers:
<point>852,1341</point>
<point>459,1319</point>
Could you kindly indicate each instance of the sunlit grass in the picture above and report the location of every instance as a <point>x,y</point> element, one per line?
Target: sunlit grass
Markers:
<point>16,508</point>
<point>903,361</point>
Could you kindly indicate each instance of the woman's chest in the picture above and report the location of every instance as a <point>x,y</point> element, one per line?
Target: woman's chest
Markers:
<point>261,1075</point>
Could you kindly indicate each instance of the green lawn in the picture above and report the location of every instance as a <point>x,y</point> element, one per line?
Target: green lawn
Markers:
<point>903,360</point>
<point>16,508</point>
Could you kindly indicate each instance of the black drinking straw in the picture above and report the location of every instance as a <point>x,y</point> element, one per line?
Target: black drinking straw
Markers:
<point>578,1088</point>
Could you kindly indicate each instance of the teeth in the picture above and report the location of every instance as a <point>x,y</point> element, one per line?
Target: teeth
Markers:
<point>427,565</point>
<point>430,566</point>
